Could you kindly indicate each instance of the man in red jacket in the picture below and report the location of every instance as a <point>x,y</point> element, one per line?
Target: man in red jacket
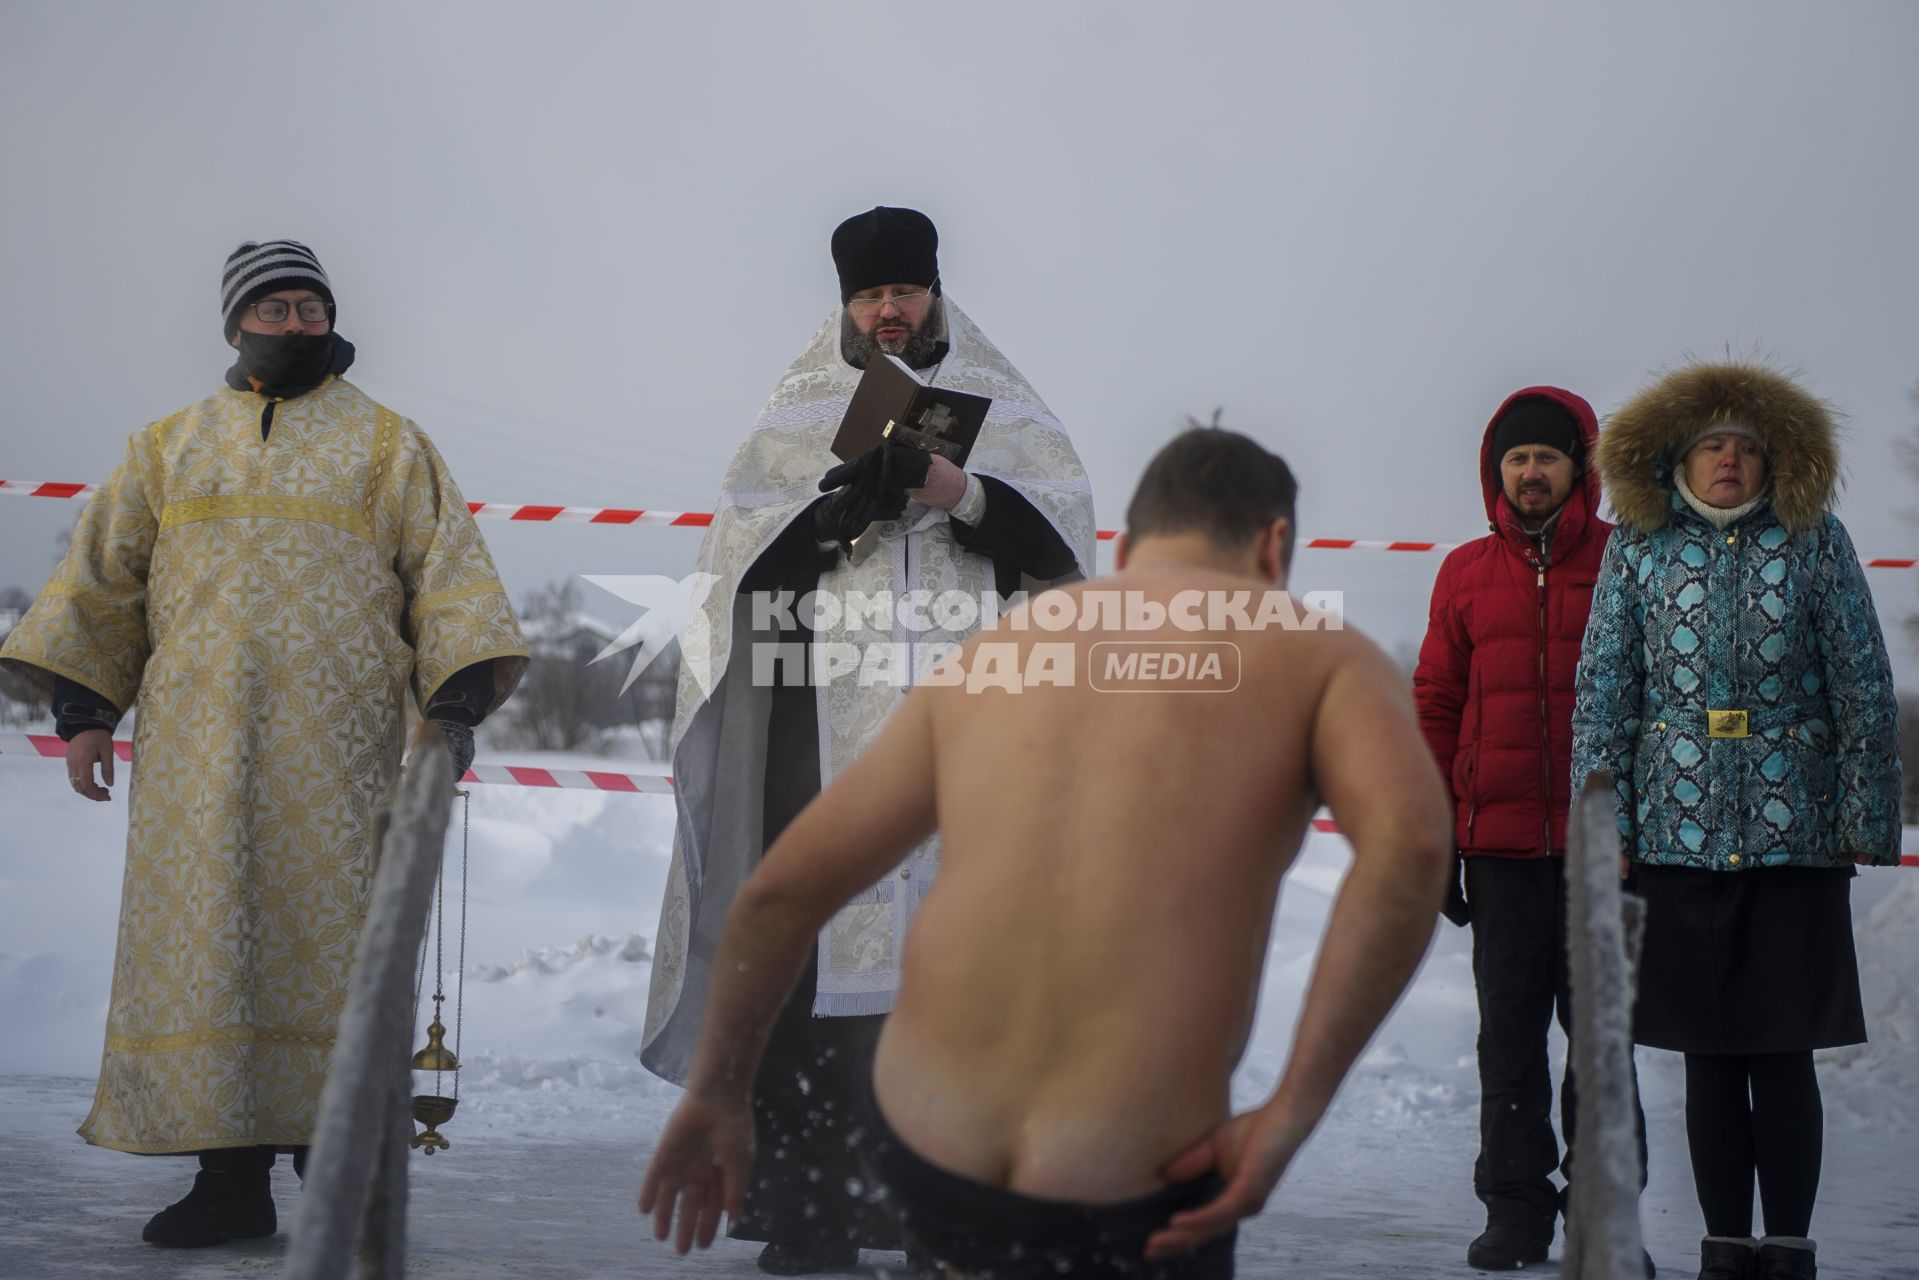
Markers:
<point>1494,689</point>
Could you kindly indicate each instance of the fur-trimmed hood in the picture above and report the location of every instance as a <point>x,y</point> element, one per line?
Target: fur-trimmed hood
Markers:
<point>1642,442</point>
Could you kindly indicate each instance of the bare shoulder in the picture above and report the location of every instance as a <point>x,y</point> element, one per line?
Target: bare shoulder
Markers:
<point>1313,642</point>
<point>1358,677</point>
<point>1354,652</point>
<point>1371,763</point>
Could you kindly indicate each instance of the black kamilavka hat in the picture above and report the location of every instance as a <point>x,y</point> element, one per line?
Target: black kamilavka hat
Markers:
<point>886,246</point>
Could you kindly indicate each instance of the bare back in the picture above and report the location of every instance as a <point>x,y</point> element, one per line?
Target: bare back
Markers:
<point>1080,982</point>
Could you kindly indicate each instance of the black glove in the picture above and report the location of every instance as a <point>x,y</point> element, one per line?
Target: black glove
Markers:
<point>871,487</point>
<point>899,468</point>
<point>844,515</point>
<point>459,743</point>
<point>885,472</point>
<point>1455,908</point>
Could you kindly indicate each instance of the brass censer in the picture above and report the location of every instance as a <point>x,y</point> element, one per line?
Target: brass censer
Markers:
<point>435,1109</point>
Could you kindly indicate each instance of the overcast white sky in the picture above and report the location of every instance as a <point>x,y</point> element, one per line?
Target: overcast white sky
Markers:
<point>579,243</point>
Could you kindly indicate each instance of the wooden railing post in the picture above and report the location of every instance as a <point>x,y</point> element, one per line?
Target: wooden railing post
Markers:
<point>1603,926</point>
<point>354,1200</point>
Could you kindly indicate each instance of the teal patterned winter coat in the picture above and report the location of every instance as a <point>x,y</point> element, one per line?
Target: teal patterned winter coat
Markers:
<point>1770,616</point>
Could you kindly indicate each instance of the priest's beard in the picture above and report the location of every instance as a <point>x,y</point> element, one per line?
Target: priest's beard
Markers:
<point>918,348</point>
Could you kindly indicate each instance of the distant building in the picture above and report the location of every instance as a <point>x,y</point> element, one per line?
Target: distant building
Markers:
<point>566,702</point>
<point>570,634</point>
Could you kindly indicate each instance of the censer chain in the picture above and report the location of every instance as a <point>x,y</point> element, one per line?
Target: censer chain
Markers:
<point>459,978</point>
<point>439,951</point>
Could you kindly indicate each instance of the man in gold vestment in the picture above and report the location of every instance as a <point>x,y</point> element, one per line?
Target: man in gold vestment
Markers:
<point>265,576</point>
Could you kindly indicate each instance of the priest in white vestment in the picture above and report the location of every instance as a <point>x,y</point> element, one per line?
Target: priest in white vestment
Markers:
<point>757,734</point>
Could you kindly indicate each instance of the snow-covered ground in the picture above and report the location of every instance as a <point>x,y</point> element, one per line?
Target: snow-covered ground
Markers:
<point>557,1117</point>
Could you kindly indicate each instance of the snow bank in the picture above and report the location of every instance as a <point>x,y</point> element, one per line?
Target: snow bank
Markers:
<point>1876,1085</point>
<point>564,894</point>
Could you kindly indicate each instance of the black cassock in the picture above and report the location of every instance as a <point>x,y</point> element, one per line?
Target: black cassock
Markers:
<point>807,1184</point>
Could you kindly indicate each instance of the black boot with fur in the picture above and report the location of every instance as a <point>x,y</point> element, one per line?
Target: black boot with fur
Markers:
<point>1728,1258</point>
<point>1786,1258</point>
<point>231,1199</point>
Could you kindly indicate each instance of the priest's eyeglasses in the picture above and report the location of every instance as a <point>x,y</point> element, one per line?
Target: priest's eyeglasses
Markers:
<point>900,301</point>
<point>274,310</point>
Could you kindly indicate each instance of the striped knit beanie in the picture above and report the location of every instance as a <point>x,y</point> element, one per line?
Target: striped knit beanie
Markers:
<point>256,269</point>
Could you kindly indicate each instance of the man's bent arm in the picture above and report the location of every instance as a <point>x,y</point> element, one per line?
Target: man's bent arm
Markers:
<point>851,835</point>
<point>1372,767</point>
<point>856,831</point>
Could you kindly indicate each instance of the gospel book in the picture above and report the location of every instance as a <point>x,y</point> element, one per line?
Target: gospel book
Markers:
<point>891,403</point>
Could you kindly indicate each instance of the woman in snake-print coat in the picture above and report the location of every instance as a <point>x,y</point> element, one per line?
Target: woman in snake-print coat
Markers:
<point>1734,682</point>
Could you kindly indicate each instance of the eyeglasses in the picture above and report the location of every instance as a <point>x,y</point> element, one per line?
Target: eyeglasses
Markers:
<point>900,301</point>
<point>274,310</point>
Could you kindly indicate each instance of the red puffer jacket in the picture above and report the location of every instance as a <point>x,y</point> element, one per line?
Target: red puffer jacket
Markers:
<point>1494,684</point>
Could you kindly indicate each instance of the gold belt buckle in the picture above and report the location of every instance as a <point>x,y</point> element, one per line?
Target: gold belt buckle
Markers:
<point>1725,724</point>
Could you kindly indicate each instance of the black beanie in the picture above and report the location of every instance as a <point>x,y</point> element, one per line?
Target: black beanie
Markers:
<point>886,246</point>
<point>1537,420</point>
<point>256,269</point>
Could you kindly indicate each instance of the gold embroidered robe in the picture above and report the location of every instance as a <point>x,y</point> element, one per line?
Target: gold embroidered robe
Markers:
<point>267,605</point>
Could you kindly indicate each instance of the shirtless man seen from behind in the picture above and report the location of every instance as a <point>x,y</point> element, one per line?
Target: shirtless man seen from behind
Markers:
<point>1051,1091</point>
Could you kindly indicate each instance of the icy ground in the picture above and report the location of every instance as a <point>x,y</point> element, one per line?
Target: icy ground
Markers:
<point>557,1118</point>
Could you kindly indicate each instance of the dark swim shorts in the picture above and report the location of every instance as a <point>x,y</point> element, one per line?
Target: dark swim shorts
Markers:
<point>994,1234</point>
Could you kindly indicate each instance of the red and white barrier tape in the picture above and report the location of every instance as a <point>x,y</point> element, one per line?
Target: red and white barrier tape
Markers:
<point>538,514</point>
<point>588,515</point>
<point>17,745</point>
<point>45,489</point>
<point>517,775</point>
<point>45,744</point>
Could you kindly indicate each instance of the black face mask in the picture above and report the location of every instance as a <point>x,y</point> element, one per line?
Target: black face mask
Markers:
<point>286,364</point>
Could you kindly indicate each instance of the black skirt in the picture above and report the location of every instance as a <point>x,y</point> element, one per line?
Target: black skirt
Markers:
<point>1748,962</point>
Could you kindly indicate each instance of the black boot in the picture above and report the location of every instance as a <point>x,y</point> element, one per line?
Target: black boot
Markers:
<point>1786,1258</point>
<point>231,1200</point>
<point>1728,1258</point>
<point>1507,1244</point>
<point>781,1259</point>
